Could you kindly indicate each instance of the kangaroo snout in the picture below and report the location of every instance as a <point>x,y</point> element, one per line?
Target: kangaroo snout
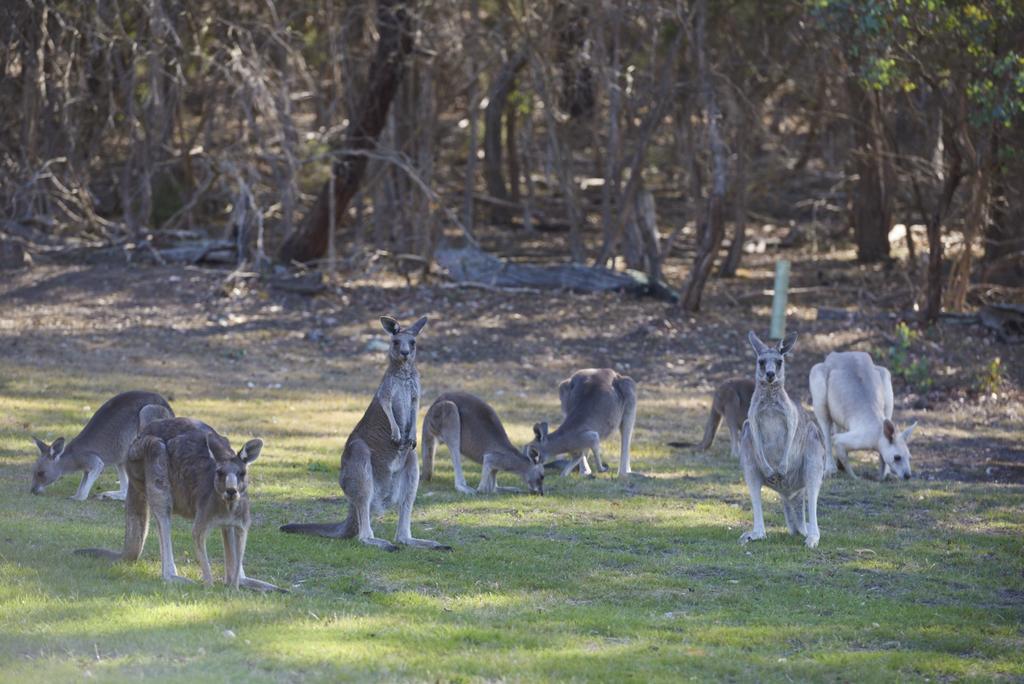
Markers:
<point>230,494</point>
<point>36,489</point>
<point>770,376</point>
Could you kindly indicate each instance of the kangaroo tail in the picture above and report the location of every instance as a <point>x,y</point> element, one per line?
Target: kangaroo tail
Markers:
<point>343,530</point>
<point>710,429</point>
<point>99,553</point>
<point>427,448</point>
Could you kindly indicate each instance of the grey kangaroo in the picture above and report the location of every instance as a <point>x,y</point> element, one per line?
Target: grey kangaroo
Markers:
<point>781,447</point>
<point>379,466</point>
<point>595,402</point>
<point>731,401</point>
<point>102,442</point>
<point>850,393</point>
<point>183,466</point>
<point>470,427</point>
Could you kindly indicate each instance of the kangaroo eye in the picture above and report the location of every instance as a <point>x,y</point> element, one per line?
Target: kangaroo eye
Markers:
<point>761,363</point>
<point>412,343</point>
<point>897,458</point>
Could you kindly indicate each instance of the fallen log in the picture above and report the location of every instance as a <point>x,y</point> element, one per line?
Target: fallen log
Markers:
<point>471,265</point>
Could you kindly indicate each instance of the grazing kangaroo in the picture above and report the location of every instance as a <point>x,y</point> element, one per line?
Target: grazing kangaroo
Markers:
<point>851,393</point>
<point>379,467</point>
<point>781,447</point>
<point>183,466</point>
<point>469,426</point>
<point>102,442</point>
<point>731,401</point>
<point>595,402</point>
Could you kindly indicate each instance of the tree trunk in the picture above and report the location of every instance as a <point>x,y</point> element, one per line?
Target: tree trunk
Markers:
<point>497,98</point>
<point>394,26</point>
<point>714,226</point>
<point>871,210</point>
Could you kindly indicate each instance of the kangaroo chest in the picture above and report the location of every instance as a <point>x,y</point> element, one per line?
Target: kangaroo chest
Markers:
<point>773,424</point>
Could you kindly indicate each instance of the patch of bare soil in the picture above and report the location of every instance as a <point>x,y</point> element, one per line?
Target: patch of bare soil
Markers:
<point>164,320</point>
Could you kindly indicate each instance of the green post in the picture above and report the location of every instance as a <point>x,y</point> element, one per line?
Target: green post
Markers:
<point>778,330</point>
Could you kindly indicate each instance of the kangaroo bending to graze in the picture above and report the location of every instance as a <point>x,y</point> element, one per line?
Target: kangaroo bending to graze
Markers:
<point>852,394</point>
<point>781,447</point>
<point>595,402</point>
<point>470,427</point>
<point>730,402</point>
<point>103,442</point>
<point>183,466</point>
<point>379,466</point>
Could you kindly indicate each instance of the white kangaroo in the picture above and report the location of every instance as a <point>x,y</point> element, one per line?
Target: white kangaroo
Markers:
<point>852,394</point>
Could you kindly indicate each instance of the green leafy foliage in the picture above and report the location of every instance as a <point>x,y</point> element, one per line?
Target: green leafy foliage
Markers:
<point>903,363</point>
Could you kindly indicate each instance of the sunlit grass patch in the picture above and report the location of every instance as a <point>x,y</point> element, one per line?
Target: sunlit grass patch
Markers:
<point>635,580</point>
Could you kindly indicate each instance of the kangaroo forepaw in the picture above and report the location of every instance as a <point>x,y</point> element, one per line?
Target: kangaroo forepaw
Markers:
<point>812,541</point>
<point>115,495</point>
<point>407,444</point>
<point>603,468</point>
<point>465,489</point>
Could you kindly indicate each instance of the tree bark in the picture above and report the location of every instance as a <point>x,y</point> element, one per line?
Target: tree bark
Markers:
<point>871,210</point>
<point>394,26</point>
<point>714,225</point>
<point>497,98</point>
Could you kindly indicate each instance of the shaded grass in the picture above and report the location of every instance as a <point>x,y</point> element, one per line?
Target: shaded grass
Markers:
<point>600,579</point>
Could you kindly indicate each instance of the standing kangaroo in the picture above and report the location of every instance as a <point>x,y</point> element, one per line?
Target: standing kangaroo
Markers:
<point>379,467</point>
<point>851,393</point>
<point>103,441</point>
<point>781,447</point>
<point>469,426</point>
<point>183,466</point>
<point>595,402</point>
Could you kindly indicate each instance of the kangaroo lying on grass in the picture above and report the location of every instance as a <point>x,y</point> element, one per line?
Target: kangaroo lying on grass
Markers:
<point>731,401</point>
<point>851,393</point>
<point>379,467</point>
<point>781,447</point>
<point>183,466</point>
<point>103,441</point>
<point>595,402</point>
<point>469,426</point>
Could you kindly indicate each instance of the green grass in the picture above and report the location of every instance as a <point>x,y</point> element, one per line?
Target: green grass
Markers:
<point>598,580</point>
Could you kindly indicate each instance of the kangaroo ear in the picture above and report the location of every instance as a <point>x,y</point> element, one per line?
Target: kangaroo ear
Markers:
<point>57,449</point>
<point>417,326</point>
<point>787,344</point>
<point>889,430</point>
<point>209,451</point>
<point>390,325</point>
<point>909,432</point>
<point>533,454</point>
<point>540,431</point>
<point>251,451</point>
<point>44,449</point>
<point>756,343</point>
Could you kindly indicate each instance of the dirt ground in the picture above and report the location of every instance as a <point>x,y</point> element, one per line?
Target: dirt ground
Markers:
<point>166,321</point>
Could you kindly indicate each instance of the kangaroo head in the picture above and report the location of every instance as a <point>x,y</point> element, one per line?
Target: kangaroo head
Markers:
<point>230,481</point>
<point>47,469</point>
<point>771,370</point>
<point>892,446</point>
<point>403,340</point>
<point>533,477</point>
